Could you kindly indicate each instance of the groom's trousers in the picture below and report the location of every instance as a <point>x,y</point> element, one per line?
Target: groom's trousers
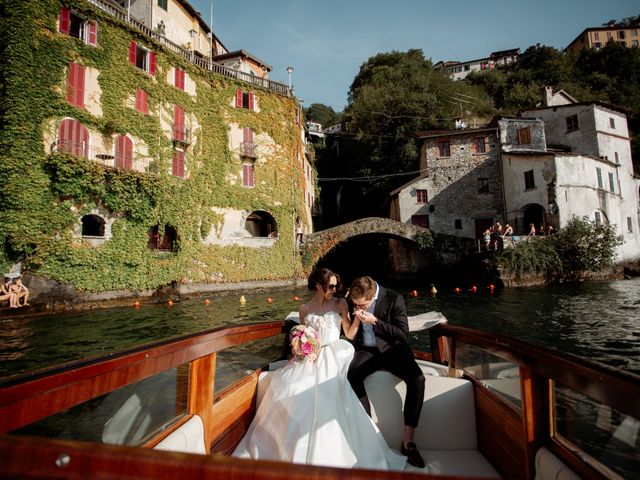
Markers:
<point>398,360</point>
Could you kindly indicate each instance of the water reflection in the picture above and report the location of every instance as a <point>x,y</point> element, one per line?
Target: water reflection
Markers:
<point>595,320</point>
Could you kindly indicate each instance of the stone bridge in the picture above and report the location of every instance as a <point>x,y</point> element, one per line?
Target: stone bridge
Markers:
<point>317,245</point>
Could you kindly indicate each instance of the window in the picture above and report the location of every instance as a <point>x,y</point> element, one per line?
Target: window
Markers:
<point>612,122</point>
<point>178,79</point>
<point>596,35</point>
<point>142,101</point>
<point>180,132</point>
<point>92,226</point>
<point>75,85</point>
<point>617,158</point>
<point>261,224</point>
<point>634,33</point>
<point>245,99</point>
<point>524,136</point>
<point>163,4</point>
<point>599,174</point>
<point>163,243</point>
<point>572,123</point>
<point>142,58</point>
<point>529,181</point>
<point>598,218</point>
<point>608,35</point>
<point>248,147</point>
<point>124,152</point>
<point>483,185</point>
<point>73,138</point>
<point>478,145</point>
<point>177,164</point>
<point>444,148</point>
<point>611,184</point>
<point>420,220</point>
<point>458,224</point>
<point>421,196</point>
<point>75,26</point>
<point>598,45</point>
<point>634,43</point>
<point>629,225</point>
<point>247,175</point>
<point>621,34</point>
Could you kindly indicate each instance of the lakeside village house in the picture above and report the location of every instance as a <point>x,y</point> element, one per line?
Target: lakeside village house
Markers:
<point>145,90</point>
<point>554,162</point>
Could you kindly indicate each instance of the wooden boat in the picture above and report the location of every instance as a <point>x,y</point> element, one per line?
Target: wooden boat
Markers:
<point>494,407</point>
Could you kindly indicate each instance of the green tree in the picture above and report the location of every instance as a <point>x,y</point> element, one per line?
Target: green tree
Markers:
<point>322,114</point>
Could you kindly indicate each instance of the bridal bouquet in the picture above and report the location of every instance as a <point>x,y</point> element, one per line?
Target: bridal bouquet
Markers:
<point>304,343</point>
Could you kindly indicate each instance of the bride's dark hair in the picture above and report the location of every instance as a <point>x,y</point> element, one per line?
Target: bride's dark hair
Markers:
<point>322,276</point>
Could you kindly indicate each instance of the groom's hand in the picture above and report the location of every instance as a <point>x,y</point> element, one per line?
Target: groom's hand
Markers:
<point>366,317</point>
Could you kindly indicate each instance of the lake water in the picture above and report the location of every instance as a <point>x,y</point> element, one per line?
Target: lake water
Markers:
<point>597,320</point>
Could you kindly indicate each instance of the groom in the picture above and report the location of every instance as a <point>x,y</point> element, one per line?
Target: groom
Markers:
<point>381,344</point>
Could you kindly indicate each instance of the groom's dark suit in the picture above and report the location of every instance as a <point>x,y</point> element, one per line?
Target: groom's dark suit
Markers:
<point>391,353</point>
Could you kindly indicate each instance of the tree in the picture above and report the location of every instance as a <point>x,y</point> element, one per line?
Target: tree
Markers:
<point>322,114</point>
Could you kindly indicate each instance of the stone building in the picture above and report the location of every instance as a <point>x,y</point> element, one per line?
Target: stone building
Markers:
<point>147,163</point>
<point>459,191</point>
<point>598,37</point>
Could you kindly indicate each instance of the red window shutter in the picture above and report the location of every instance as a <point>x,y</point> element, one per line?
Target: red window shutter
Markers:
<point>80,86</point>
<point>178,124</point>
<point>75,85</point>
<point>179,78</point>
<point>239,94</point>
<point>247,137</point>
<point>251,101</point>
<point>65,20</point>
<point>124,152</point>
<point>247,175</point>
<point>71,83</point>
<point>177,166</point>
<point>142,101</point>
<point>73,137</point>
<point>92,30</point>
<point>132,53</point>
<point>152,63</point>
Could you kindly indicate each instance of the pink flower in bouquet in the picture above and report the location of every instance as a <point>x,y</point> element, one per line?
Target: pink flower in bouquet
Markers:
<point>304,342</point>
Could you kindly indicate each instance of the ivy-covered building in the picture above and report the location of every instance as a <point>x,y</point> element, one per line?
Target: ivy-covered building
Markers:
<point>131,159</point>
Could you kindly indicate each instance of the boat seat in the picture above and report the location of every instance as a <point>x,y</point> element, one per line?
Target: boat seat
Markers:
<point>446,434</point>
<point>188,438</point>
<point>550,467</point>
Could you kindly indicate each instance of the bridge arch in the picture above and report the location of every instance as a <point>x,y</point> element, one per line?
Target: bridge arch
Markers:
<point>317,245</point>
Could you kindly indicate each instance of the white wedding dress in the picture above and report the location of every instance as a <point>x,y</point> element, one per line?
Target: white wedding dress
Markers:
<point>310,414</point>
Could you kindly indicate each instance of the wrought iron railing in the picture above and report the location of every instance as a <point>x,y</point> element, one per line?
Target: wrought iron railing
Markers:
<point>188,55</point>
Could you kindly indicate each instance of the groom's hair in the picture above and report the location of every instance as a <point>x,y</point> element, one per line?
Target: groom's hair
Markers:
<point>363,287</point>
<point>322,276</point>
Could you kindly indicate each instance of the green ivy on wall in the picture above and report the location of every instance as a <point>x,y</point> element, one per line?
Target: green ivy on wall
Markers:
<point>45,195</point>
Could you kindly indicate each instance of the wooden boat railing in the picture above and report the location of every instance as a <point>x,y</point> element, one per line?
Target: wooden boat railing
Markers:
<point>508,438</point>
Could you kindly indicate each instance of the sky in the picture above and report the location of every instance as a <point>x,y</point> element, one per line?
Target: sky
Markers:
<point>327,41</point>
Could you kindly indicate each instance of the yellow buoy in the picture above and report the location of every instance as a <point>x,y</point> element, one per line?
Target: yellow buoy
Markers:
<point>243,301</point>
<point>434,290</point>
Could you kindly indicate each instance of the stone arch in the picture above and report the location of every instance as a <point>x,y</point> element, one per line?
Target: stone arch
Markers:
<point>260,223</point>
<point>93,226</point>
<point>317,245</point>
<point>533,213</point>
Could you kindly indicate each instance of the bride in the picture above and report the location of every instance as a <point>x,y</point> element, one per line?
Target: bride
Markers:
<point>309,413</point>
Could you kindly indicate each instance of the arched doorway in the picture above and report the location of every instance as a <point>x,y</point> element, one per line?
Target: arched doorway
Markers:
<point>163,243</point>
<point>261,224</point>
<point>533,213</point>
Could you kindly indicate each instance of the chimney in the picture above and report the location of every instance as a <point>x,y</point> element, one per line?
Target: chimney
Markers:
<point>547,96</point>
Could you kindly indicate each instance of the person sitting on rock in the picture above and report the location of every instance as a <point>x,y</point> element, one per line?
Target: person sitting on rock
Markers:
<point>7,294</point>
<point>20,291</point>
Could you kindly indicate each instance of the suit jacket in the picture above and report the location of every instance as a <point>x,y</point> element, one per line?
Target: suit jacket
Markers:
<point>392,329</point>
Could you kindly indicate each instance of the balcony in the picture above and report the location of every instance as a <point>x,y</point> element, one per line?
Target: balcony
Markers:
<point>204,63</point>
<point>248,149</point>
<point>181,135</point>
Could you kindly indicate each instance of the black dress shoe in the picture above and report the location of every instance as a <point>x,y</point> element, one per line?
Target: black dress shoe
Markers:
<point>413,454</point>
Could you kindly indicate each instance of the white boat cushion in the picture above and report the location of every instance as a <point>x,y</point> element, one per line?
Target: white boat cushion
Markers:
<point>188,438</point>
<point>447,422</point>
<point>550,467</point>
<point>459,463</point>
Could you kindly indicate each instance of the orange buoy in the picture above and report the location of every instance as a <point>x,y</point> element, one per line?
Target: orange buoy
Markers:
<point>206,301</point>
<point>269,300</point>
<point>457,290</point>
<point>473,289</point>
<point>170,303</point>
<point>491,287</point>
<point>414,293</point>
<point>136,304</point>
<point>296,298</point>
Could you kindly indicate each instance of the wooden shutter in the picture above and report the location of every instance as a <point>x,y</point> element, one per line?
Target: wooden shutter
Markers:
<point>124,152</point>
<point>179,79</point>
<point>65,20</point>
<point>251,101</point>
<point>239,94</point>
<point>177,165</point>
<point>73,137</point>
<point>247,138</point>
<point>152,63</point>
<point>132,53</point>
<point>92,33</point>
<point>75,85</point>
<point>178,124</point>
<point>247,175</point>
<point>142,101</point>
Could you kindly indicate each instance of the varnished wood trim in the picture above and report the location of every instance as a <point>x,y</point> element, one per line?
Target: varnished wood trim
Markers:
<point>202,375</point>
<point>535,420</point>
